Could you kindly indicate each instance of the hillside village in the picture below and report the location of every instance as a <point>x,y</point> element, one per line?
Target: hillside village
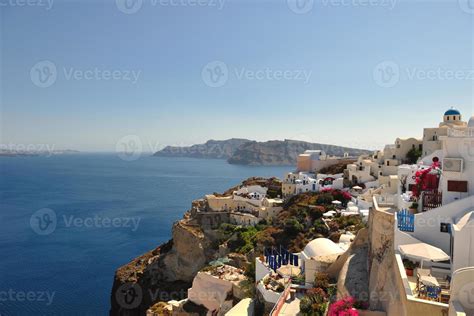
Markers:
<point>387,233</point>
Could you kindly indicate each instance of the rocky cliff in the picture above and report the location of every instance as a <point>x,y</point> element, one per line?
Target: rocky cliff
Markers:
<point>277,152</point>
<point>215,149</point>
<point>162,274</point>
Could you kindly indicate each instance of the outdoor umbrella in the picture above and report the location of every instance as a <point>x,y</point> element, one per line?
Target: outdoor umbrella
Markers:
<point>289,270</point>
<point>423,251</point>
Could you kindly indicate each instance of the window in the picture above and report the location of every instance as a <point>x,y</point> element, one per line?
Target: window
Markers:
<point>448,118</point>
<point>457,186</point>
<point>444,227</point>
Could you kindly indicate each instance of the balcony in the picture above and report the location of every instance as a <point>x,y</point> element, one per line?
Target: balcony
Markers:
<point>461,133</point>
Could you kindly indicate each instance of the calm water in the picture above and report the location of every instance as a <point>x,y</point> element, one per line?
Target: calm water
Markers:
<point>70,271</point>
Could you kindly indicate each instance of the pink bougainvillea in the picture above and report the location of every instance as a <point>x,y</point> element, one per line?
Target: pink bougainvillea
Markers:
<point>343,307</point>
<point>340,195</point>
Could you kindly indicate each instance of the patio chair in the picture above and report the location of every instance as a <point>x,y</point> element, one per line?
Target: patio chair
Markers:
<point>419,273</point>
<point>433,292</point>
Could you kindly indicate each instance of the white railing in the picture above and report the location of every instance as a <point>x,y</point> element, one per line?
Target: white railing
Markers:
<point>465,132</point>
<point>384,200</point>
<point>281,300</point>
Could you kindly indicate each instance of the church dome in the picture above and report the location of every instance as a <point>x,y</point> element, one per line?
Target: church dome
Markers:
<point>322,247</point>
<point>471,122</point>
<point>452,111</point>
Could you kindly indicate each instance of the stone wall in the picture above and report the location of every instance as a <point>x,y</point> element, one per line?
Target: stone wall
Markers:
<point>212,220</point>
<point>382,287</point>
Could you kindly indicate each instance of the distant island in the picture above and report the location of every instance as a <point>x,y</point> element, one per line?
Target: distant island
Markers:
<point>248,152</point>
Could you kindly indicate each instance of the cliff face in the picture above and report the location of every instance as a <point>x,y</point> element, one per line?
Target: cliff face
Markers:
<point>246,152</point>
<point>278,152</point>
<point>162,274</point>
<point>216,149</point>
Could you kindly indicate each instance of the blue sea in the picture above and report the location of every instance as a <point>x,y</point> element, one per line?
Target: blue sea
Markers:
<point>68,268</point>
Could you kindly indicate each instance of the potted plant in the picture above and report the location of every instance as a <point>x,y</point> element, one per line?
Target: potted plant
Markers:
<point>409,267</point>
<point>414,207</point>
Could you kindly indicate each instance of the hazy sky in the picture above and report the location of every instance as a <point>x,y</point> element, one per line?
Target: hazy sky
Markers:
<point>83,74</point>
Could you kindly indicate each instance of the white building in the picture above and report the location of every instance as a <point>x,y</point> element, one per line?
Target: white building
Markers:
<point>449,226</point>
<point>313,161</point>
<point>317,256</point>
<point>213,288</point>
<point>452,119</point>
<point>301,182</point>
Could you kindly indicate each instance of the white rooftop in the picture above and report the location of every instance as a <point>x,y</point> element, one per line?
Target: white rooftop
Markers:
<point>322,247</point>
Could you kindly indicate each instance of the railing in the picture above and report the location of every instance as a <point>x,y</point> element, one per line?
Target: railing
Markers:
<point>431,200</point>
<point>466,132</point>
<point>385,200</point>
<point>281,300</point>
<point>406,221</point>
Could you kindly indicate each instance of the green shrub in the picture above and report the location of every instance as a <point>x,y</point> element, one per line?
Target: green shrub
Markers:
<point>314,303</point>
<point>325,199</point>
<point>321,280</point>
<point>320,227</point>
<point>293,226</point>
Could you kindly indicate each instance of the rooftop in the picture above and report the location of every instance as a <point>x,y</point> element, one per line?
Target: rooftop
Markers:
<point>452,111</point>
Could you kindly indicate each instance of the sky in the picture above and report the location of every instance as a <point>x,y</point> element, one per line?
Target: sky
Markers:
<point>84,74</point>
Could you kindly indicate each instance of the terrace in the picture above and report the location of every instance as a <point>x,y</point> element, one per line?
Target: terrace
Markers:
<point>426,289</point>
<point>431,284</point>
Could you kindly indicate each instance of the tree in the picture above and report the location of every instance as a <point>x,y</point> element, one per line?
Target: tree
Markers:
<point>413,155</point>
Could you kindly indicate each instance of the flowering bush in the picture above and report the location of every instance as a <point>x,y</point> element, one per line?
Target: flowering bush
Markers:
<point>321,280</point>
<point>339,195</point>
<point>343,307</point>
<point>314,302</point>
